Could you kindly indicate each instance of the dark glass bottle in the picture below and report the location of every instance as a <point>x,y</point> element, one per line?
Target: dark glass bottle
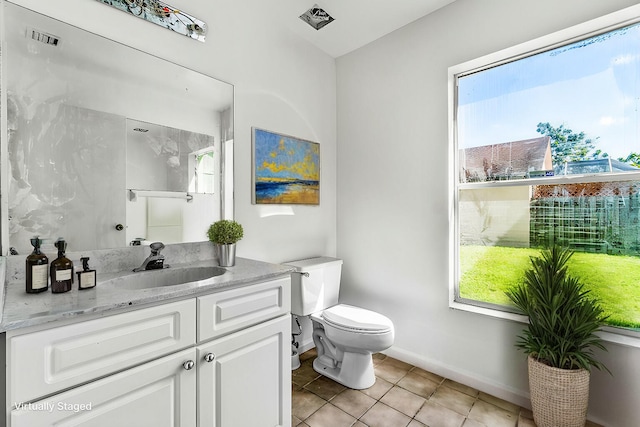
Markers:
<point>61,270</point>
<point>86,277</point>
<point>37,265</point>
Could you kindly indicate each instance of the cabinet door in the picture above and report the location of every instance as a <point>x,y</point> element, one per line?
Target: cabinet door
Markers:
<point>156,394</point>
<point>244,379</point>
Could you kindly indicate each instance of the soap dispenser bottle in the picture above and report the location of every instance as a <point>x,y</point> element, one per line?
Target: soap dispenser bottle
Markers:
<point>61,270</point>
<point>37,265</point>
<point>86,277</point>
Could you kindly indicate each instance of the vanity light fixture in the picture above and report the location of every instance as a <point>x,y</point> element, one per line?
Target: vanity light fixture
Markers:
<point>160,13</point>
<point>316,17</point>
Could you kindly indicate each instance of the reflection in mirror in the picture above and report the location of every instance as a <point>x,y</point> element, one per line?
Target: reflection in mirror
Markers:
<point>167,159</point>
<point>72,154</point>
<point>171,167</point>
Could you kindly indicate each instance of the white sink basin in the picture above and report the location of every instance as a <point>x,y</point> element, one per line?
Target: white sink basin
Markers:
<point>165,277</point>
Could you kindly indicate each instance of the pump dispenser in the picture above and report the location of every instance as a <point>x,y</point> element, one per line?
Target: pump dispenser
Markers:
<point>86,277</point>
<point>37,265</point>
<point>61,269</point>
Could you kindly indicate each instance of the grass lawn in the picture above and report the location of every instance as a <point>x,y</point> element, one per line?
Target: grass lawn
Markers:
<point>487,272</point>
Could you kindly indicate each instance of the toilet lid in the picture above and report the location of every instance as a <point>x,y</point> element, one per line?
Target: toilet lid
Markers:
<point>348,316</point>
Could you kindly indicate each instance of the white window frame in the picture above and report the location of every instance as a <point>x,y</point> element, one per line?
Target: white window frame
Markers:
<point>621,18</point>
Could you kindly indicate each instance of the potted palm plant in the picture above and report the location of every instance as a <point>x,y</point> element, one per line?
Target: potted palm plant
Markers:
<point>559,339</point>
<point>225,234</point>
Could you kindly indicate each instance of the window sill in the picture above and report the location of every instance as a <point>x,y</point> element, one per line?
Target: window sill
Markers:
<point>608,334</point>
<point>622,337</point>
<point>492,312</point>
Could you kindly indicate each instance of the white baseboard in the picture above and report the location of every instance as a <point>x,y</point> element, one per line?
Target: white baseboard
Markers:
<point>306,346</point>
<point>484,384</point>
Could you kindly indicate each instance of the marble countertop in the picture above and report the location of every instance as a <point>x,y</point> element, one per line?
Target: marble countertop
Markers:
<point>20,310</point>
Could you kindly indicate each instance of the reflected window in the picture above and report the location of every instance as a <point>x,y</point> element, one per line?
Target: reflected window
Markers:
<point>202,167</point>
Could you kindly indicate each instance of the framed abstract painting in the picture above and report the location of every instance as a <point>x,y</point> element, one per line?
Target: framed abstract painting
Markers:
<point>286,169</point>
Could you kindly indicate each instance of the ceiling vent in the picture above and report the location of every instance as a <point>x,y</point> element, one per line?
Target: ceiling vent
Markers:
<point>43,37</point>
<point>316,17</point>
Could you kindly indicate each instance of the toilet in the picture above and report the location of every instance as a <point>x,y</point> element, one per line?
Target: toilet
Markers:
<point>345,336</point>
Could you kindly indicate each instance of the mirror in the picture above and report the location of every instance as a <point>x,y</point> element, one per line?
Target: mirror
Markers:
<point>107,145</point>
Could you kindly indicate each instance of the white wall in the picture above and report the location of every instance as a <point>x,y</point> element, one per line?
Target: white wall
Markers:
<point>281,84</point>
<point>392,196</point>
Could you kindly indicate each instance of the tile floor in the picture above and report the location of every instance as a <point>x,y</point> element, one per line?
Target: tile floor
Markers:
<point>403,396</point>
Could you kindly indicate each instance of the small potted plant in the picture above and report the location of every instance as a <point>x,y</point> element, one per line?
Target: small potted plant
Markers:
<point>224,234</point>
<point>559,339</point>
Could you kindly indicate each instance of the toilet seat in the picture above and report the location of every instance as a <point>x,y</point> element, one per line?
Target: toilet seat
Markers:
<point>350,318</point>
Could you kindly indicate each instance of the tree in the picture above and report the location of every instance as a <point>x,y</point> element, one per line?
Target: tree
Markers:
<point>633,159</point>
<point>599,154</point>
<point>566,145</point>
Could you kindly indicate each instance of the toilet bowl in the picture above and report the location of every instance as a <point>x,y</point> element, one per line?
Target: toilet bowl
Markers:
<point>345,336</point>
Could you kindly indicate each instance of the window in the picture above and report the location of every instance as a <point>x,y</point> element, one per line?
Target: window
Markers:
<point>202,171</point>
<point>546,149</point>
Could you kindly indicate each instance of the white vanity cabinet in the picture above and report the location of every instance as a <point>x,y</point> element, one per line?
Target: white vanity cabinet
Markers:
<point>216,360</point>
<point>244,371</point>
<point>47,361</point>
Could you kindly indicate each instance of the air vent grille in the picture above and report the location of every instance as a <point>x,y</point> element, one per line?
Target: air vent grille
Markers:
<point>43,37</point>
<point>316,17</point>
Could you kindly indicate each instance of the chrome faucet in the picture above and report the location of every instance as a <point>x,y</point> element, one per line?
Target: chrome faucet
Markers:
<point>155,260</point>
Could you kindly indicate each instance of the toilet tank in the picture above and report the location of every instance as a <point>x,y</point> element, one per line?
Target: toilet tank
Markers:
<point>315,285</point>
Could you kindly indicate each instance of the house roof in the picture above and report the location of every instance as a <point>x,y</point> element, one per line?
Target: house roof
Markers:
<point>597,166</point>
<point>506,160</point>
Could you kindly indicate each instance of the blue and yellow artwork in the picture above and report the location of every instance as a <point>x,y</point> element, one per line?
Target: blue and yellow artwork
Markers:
<point>286,169</point>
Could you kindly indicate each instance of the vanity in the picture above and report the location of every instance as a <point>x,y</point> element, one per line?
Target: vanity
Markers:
<point>213,352</point>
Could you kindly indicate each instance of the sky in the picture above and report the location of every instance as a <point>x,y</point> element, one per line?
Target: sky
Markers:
<point>591,86</point>
<point>281,156</point>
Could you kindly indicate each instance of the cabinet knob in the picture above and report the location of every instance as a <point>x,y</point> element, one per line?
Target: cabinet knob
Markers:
<point>119,227</point>
<point>188,365</point>
<point>209,357</point>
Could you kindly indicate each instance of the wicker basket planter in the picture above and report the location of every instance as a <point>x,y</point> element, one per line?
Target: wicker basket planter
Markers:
<point>559,397</point>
